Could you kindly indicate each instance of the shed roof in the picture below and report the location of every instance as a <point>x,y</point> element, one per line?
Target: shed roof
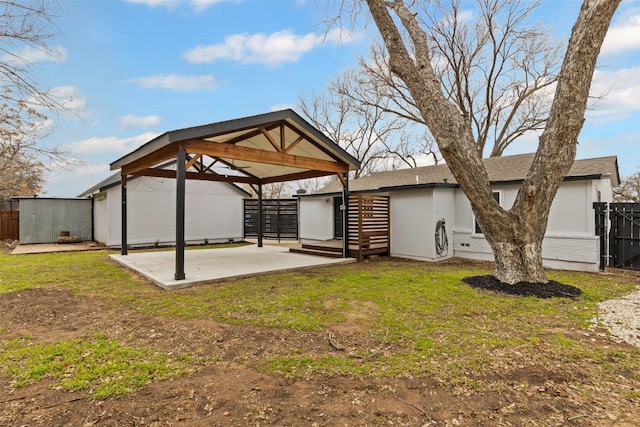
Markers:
<point>272,147</point>
<point>115,180</point>
<point>505,169</point>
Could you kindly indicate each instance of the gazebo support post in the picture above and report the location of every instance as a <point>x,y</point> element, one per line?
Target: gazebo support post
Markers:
<point>260,215</point>
<point>180,202</point>
<point>345,215</point>
<point>123,193</point>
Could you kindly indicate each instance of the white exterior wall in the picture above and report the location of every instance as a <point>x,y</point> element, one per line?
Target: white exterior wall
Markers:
<point>410,212</point>
<point>101,218</point>
<point>213,211</point>
<point>414,215</point>
<point>570,241</point>
<point>443,208</point>
<point>316,219</point>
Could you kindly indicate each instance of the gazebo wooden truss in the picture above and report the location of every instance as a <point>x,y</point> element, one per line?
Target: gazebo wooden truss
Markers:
<point>273,147</point>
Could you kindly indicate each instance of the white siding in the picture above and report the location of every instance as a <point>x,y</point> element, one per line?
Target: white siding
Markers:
<point>411,212</point>
<point>316,218</point>
<point>443,209</point>
<point>571,213</point>
<point>101,218</point>
<point>213,211</point>
<point>570,241</point>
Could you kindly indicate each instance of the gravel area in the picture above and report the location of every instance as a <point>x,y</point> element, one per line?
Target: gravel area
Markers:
<point>622,318</point>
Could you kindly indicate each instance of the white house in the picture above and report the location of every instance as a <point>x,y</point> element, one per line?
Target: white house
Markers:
<point>421,198</point>
<point>214,211</point>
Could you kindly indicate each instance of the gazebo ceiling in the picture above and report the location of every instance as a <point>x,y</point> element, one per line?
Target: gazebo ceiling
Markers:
<point>272,147</point>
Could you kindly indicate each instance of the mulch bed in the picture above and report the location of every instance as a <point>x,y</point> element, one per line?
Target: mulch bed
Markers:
<point>550,289</point>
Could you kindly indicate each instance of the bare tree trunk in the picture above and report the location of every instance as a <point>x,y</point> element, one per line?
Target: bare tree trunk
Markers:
<point>514,235</point>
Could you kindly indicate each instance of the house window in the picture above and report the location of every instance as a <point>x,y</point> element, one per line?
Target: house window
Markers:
<point>496,195</point>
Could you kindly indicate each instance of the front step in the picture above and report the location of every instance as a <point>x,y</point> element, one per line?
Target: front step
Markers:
<point>317,251</point>
<point>337,249</point>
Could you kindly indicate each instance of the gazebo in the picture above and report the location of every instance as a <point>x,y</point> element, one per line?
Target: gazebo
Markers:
<point>274,147</point>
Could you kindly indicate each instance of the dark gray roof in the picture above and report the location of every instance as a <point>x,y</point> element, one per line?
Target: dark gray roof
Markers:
<point>505,169</point>
<point>116,179</point>
<point>102,185</point>
<point>315,144</point>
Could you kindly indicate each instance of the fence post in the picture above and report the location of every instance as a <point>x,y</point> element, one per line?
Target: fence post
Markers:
<point>601,231</point>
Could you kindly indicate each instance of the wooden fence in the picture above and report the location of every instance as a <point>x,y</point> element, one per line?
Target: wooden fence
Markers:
<point>369,231</point>
<point>9,224</point>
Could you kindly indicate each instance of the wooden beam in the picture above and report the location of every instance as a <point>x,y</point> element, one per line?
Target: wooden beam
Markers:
<point>267,135</point>
<point>294,144</point>
<point>314,143</point>
<point>294,177</point>
<point>282,140</point>
<point>193,160</point>
<point>216,149</point>
<point>167,173</point>
<point>208,167</point>
<point>167,152</point>
<point>251,134</point>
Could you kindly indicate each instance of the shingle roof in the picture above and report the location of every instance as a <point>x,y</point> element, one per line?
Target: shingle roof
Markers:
<point>500,169</point>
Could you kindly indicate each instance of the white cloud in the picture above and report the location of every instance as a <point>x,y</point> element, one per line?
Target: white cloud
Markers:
<point>271,50</point>
<point>169,4</point>
<point>69,98</point>
<point>198,5</point>
<point>140,121</point>
<point>201,5</point>
<point>70,181</point>
<point>32,55</point>
<point>623,36</point>
<point>622,89</point>
<point>177,82</point>
<point>278,107</point>
<point>69,104</point>
<point>110,144</point>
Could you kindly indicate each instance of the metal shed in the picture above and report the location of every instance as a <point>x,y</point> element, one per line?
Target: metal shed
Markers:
<point>42,219</point>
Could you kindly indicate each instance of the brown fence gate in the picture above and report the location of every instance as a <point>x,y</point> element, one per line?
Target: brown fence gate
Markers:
<point>9,223</point>
<point>618,225</point>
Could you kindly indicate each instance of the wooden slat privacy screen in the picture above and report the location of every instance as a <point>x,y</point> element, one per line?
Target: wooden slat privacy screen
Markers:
<point>369,229</point>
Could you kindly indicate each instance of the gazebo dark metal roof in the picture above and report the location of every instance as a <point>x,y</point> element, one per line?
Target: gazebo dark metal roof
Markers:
<point>273,147</point>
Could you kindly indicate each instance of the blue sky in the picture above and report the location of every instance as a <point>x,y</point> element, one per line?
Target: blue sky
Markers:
<point>139,68</point>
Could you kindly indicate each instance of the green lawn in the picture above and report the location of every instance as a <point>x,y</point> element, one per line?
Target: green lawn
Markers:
<point>428,321</point>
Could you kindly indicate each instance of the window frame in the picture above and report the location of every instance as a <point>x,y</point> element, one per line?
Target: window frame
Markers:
<point>476,227</point>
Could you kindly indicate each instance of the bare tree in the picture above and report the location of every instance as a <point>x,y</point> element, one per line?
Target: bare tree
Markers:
<point>629,189</point>
<point>497,66</point>
<point>515,235</point>
<point>26,27</point>
<point>22,176</point>
<point>381,141</point>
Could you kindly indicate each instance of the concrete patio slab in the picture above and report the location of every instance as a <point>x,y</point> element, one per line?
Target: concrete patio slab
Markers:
<point>207,265</point>
<point>42,248</point>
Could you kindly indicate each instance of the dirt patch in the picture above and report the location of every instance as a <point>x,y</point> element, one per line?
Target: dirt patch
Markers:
<point>233,392</point>
<point>550,289</point>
